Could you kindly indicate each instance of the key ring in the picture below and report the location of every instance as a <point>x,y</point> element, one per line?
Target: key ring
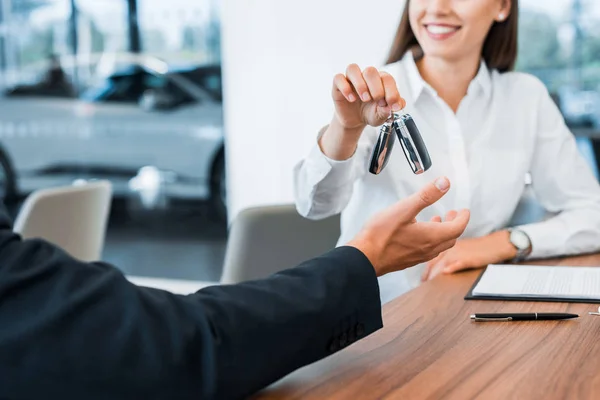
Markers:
<point>394,116</point>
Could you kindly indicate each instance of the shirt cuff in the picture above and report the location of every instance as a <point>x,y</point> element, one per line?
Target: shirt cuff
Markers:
<point>544,240</point>
<point>338,173</point>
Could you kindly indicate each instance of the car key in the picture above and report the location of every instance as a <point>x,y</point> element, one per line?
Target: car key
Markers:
<point>412,143</point>
<point>410,139</point>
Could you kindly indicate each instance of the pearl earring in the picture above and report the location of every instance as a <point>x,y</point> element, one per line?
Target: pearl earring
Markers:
<point>501,17</point>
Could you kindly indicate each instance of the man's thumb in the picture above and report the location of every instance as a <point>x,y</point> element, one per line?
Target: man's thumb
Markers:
<point>425,197</point>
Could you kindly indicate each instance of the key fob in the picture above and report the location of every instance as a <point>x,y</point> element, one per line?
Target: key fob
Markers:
<point>412,144</point>
<point>383,148</point>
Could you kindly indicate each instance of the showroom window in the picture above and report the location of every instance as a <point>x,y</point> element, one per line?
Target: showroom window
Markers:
<point>128,91</point>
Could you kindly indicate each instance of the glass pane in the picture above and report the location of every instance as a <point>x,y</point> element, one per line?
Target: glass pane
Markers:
<point>180,31</point>
<point>33,31</point>
<point>560,43</point>
<point>102,35</point>
<point>86,95</point>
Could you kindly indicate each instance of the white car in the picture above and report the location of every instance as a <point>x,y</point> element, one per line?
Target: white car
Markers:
<point>134,119</point>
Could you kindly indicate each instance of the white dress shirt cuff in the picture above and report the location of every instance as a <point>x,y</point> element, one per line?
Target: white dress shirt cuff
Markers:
<point>327,172</point>
<point>545,242</point>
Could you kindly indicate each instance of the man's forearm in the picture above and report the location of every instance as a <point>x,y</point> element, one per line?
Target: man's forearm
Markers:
<point>82,330</point>
<point>267,328</point>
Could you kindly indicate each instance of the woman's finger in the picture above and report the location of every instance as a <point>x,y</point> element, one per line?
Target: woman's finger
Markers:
<point>341,84</point>
<point>392,96</point>
<point>428,266</point>
<point>373,80</point>
<point>355,76</point>
<point>453,267</point>
<point>437,269</point>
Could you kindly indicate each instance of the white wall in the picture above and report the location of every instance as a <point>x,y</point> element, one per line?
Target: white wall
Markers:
<point>279,59</point>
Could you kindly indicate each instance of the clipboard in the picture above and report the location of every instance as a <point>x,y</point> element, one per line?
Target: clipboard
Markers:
<point>471,296</point>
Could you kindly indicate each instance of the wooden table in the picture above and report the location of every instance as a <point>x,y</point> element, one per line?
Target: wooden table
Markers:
<point>429,349</point>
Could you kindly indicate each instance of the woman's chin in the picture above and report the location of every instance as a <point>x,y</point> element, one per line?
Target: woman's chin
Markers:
<point>442,52</point>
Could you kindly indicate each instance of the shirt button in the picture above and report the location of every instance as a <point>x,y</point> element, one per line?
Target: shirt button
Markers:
<point>343,340</point>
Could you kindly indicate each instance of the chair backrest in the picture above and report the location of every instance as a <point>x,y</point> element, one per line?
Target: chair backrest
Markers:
<point>71,217</point>
<point>265,240</point>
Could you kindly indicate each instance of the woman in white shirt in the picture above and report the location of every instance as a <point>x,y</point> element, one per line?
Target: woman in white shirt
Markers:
<point>485,127</point>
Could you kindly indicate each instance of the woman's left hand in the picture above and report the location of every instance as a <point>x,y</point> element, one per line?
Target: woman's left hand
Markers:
<point>470,254</point>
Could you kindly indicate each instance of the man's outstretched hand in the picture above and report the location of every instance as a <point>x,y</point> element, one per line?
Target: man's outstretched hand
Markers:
<point>393,240</point>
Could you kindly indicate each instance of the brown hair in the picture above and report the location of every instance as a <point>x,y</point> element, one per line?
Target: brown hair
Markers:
<point>499,49</point>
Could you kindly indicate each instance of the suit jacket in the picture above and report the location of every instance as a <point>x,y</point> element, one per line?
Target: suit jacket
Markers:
<point>78,330</point>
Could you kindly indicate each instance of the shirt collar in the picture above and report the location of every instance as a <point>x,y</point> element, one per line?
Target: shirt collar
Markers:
<point>483,79</point>
<point>417,84</point>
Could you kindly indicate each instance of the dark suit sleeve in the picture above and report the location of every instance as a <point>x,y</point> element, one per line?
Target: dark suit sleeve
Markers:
<point>75,330</point>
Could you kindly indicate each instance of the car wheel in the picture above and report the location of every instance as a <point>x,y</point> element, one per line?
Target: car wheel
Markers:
<point>219,187</point>
<point>8,192</point>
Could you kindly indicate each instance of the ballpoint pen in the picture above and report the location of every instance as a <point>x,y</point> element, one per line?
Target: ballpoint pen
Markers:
<point>523,317</point>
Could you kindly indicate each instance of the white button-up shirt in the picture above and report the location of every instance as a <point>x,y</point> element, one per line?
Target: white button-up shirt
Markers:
<point>506,127</point>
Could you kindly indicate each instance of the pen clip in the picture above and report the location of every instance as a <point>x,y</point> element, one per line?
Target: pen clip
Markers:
<point>474,318</point>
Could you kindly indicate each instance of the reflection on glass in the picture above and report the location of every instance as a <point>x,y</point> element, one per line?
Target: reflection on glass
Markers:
<point>108,88</point>
<point>181,30</point>
<point>125,90</point>
<point>561,45</point>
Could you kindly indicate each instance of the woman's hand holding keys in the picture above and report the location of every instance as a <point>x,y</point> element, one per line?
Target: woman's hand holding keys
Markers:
<point>361,98</point>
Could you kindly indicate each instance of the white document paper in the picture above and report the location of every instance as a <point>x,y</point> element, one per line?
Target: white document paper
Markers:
<point>539,281</point>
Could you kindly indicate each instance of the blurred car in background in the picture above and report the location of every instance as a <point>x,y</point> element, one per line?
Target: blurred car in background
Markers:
<point>142,114</point>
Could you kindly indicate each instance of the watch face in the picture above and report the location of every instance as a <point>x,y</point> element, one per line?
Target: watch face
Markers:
<point>520,239</point>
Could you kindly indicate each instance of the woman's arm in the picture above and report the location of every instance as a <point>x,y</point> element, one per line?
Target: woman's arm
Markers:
<point>323,184</point>
<point>323,181</point>
<point>563,183</point>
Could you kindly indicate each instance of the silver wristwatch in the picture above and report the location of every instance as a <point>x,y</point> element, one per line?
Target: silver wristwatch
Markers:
<point>522,243</point>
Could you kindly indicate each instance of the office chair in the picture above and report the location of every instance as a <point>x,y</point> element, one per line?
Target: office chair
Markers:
<point>265,240</point>
<point>71,217</point>
<point>262,241</point>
